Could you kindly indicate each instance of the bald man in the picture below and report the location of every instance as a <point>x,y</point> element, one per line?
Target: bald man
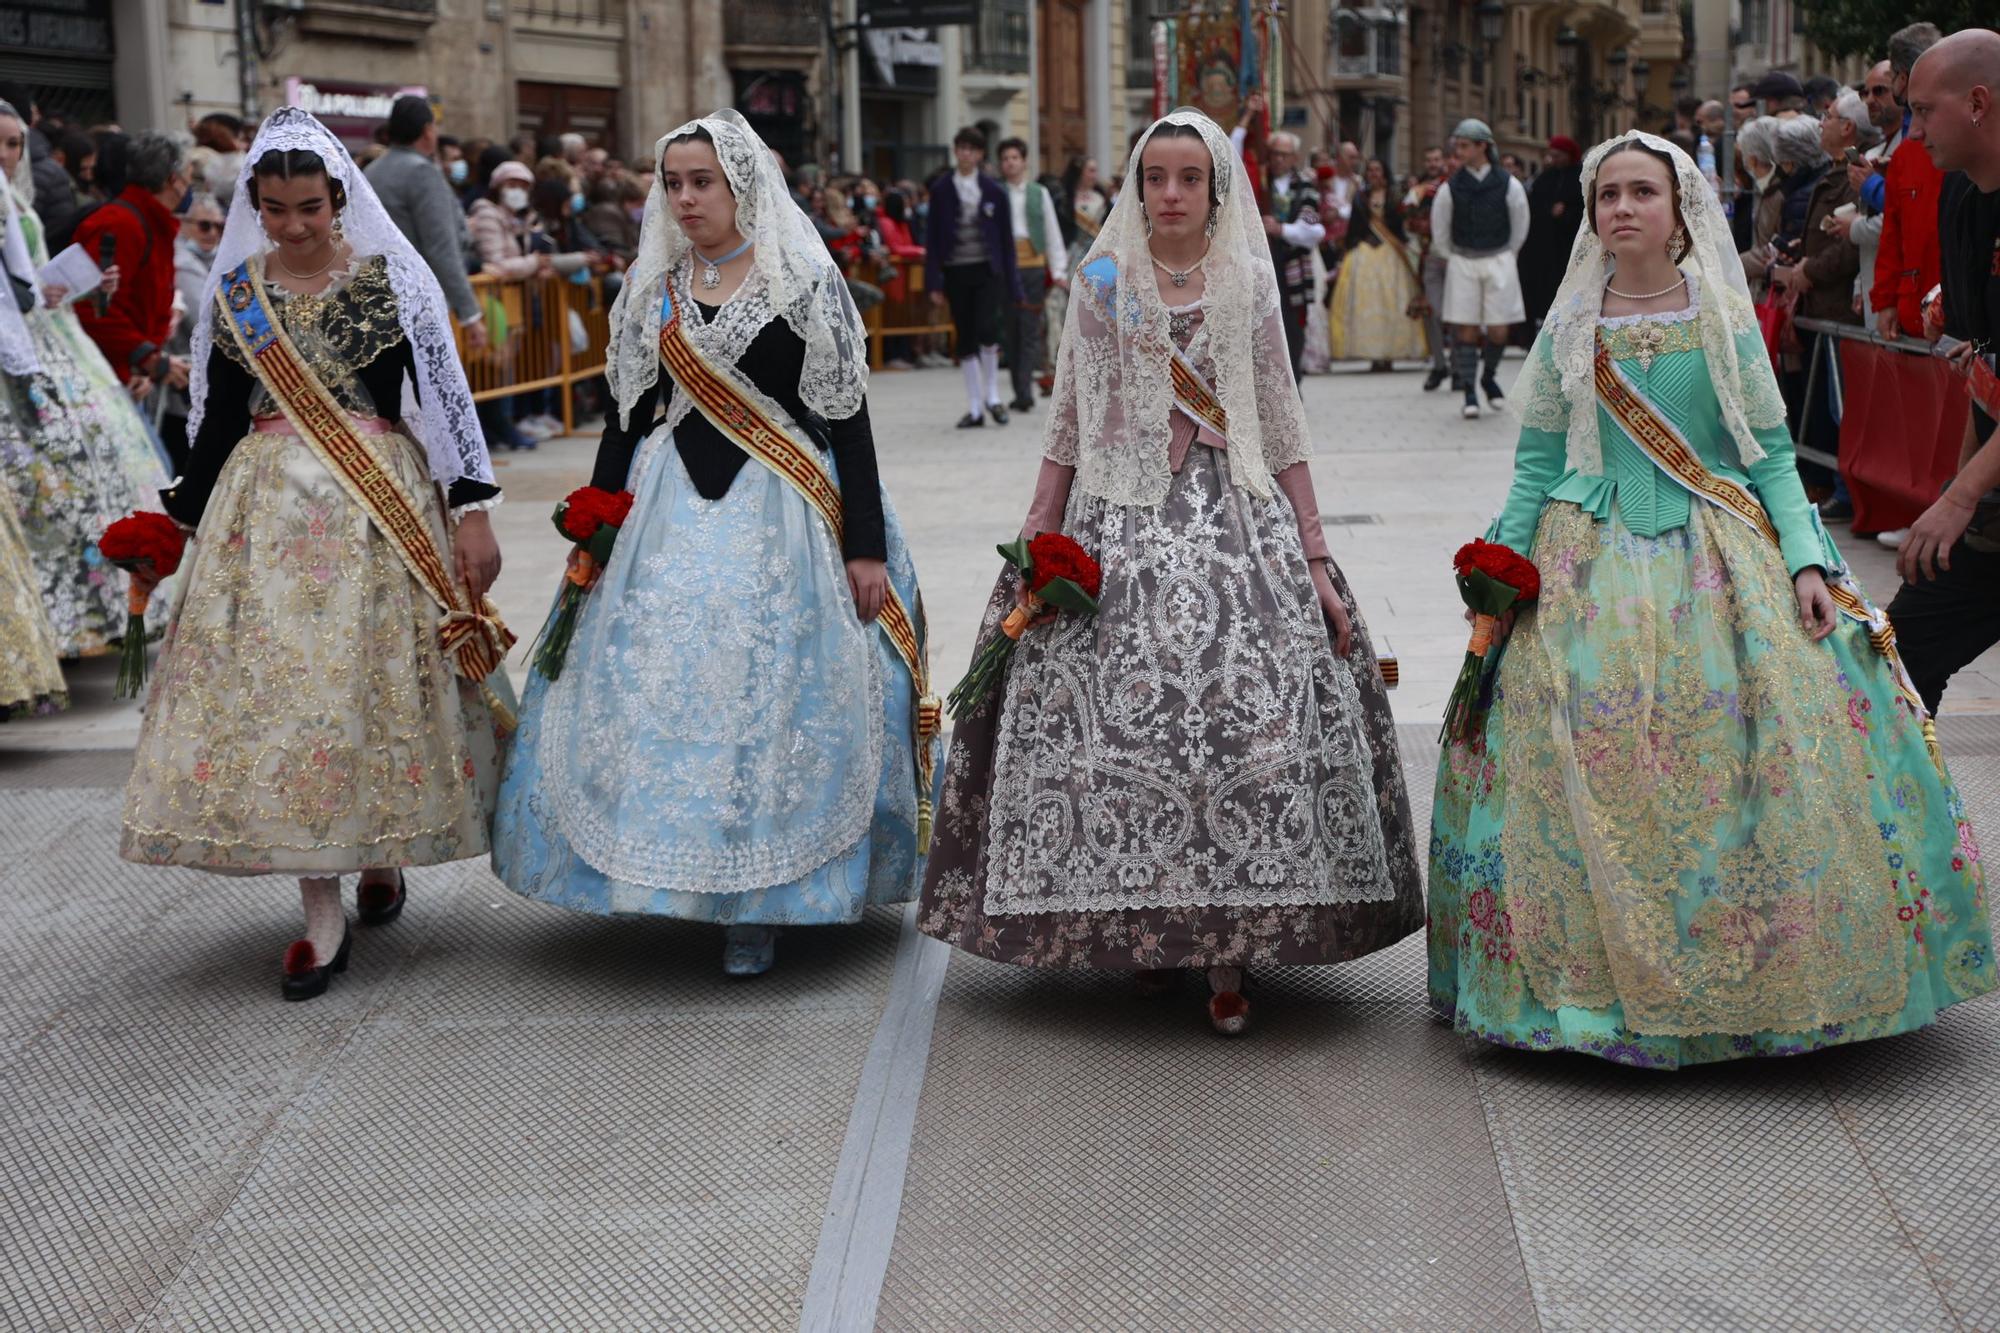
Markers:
<point>1948,611</point>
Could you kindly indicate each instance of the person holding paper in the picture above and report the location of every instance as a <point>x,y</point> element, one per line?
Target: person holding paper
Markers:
<point>73,448</point>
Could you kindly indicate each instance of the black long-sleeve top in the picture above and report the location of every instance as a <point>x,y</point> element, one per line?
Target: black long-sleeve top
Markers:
<point>774,361</point>
<point>227,420</point>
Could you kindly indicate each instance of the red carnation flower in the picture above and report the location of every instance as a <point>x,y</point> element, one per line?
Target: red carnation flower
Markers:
<point>147,538</point>
<point>1057,557</point>
<point>589,507</point>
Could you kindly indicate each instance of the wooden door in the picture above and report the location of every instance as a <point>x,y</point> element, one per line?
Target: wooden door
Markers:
<point>560,108</point>
<point>1064,114</point>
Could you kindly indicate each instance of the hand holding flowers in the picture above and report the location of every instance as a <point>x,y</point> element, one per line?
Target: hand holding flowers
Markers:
<point>1493,579</point>
<point>590,517</point>
<point>148,547</point>
<point>1056,575</point>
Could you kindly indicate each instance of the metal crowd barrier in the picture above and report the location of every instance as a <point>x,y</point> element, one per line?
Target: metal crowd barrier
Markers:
<point>543,333</point>
<point>910,316</point>
<point>1853,333</point>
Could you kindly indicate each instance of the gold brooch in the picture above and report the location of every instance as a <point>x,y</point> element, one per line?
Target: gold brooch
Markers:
<point>240,295</point>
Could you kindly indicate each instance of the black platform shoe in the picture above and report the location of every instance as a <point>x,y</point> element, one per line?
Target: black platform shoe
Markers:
<point>305,977</point>
<point>1435,378</point>
<point>378,907</point>
<point>971,422</point>
<point>998,413</point>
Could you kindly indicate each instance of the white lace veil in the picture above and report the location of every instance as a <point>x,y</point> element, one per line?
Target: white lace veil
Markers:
<point>1559,383</point>
<point>1114,395</point>
<point>17,347</point>
<point>439,412</point>
<point>791,263</point>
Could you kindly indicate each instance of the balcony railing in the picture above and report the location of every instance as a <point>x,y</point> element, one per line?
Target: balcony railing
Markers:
<point>771,23</point>
<point>1000,37</point>
<point>1366,45</point>
<point>570,11</point>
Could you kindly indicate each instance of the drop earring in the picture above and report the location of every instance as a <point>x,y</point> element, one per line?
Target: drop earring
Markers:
<point>339,231</point>
<point>1147,218</point>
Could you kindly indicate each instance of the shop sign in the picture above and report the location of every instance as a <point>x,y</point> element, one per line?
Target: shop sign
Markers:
<point>58,27</point>
<point>351,110</point>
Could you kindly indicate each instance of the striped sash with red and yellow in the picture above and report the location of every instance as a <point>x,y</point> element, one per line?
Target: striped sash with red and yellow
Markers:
<point>737,415</point>
<point>474,638</point>
<point>1670,451</point>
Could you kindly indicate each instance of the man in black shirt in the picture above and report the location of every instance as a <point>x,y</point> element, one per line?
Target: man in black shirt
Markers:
<point>1948,611</point>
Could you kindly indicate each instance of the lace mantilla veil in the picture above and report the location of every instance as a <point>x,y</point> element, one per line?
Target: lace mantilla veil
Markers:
<point>792,271</point>
<point>17,348</point>
<point>440,412</point>
<point>1559,382</point>
<point>1114,395</point>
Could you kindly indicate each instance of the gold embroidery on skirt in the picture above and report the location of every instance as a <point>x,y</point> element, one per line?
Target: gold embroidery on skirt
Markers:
<point>1681,832</point>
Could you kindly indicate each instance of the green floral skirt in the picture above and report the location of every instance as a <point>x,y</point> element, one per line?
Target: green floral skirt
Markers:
<point>1685,832</point>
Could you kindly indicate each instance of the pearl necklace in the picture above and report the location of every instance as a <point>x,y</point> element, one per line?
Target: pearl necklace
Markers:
<point>1180,278</point>
<point>1647,296</point>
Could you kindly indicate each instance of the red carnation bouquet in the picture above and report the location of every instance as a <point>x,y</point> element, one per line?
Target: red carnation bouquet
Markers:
<point>591,517</point>
<point>1492,578</point>
<point>1060,576</point>
<point>148,547</point>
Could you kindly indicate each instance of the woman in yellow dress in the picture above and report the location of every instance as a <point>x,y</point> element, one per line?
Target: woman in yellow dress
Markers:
<point>1370,320</point>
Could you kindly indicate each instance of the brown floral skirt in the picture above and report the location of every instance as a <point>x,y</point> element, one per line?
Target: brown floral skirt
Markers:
<point>1196,937</point>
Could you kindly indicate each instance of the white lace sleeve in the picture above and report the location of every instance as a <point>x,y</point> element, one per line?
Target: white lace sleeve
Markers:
<point>1286,437</point>
<point>1087,320</point>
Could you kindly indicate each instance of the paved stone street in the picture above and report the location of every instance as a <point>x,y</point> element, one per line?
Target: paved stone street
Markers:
<point>504,1116</point>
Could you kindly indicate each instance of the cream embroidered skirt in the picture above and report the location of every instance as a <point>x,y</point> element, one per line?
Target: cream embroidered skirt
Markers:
<point>302,718</point>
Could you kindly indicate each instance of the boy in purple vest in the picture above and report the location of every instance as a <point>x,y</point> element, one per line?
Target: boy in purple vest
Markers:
<point>969,265</point>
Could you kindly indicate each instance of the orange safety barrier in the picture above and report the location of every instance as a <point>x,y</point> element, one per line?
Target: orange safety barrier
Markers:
<point>909,315</point>
<point>1902,421</point>
<point>543,333</point>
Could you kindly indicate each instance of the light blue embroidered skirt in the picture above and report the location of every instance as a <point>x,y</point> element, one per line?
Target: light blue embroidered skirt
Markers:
<point>727,742</point>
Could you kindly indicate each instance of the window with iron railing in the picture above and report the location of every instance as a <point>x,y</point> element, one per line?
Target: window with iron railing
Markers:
<point>1366,45</point>
<point>573,11</point>
<point>1140,16</point>
<point>1000,37</point>
<point>399,6</point>
<point>771,23</point>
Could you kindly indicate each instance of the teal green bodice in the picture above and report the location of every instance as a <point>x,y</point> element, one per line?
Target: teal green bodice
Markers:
<point>1663,359</point>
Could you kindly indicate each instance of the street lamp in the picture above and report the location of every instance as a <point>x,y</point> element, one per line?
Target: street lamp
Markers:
<point>1642,73</point>
<point>1566,44</point>
<point>1492,15</point>
<point>1617,60</point>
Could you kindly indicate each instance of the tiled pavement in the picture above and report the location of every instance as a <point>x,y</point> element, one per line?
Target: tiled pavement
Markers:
<point>508,1117</point>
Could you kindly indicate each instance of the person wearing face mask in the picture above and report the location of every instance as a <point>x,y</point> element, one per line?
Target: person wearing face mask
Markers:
<point>410,186</point>
<point>1757,163</point>
<point>194,253</point>
<point>72,443</point>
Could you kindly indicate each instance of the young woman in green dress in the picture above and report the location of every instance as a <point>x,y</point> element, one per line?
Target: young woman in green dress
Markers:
<point>1703,817</point>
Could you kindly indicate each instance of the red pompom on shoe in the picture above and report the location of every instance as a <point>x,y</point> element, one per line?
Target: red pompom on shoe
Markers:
<point>1229,1013</point>
<point>300,958</point>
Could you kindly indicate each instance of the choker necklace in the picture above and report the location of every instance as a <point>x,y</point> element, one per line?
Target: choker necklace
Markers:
<point>1180,277</point>
<point>1646,296</point>
<point>711,276</point>
<point>306,277</point>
